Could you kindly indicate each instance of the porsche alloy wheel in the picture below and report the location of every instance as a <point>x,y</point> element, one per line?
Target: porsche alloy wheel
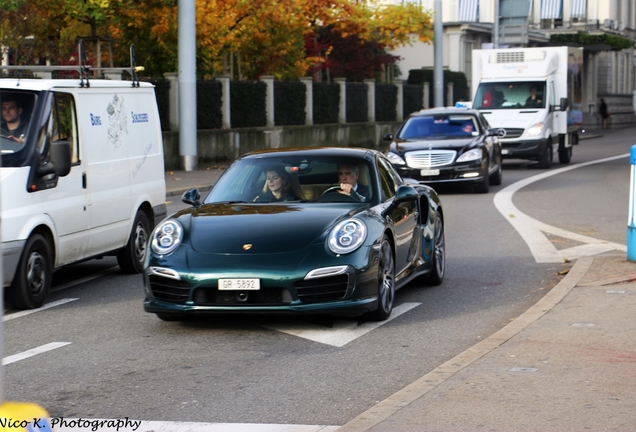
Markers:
<point>386,283</point>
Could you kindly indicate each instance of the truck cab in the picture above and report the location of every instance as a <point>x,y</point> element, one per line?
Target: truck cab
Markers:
<point>533,97</point>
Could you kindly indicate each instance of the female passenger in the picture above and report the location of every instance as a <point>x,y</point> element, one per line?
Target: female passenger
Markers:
<point>277,186</point>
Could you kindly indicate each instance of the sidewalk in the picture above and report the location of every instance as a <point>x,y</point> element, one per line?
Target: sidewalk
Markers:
<point>178,182</point>
<point>566,364</point>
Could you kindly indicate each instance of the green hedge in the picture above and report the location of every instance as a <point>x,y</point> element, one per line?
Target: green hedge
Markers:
<point>326,102</point>
<point>385,102</point>
<point>616,43</point>
<point>289,103</point>
<point>209,100</point>
<point>460,84</point>
<point>162,94</point>
<point>357,103</point>
<point>413,98</point>
<point>247,103</point>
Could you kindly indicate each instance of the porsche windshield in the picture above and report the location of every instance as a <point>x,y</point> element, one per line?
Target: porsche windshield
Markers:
<point>294,179</point>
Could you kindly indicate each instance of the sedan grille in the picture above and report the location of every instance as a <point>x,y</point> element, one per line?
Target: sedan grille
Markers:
<point>430,158</point>
<point>171,290</point>
<point>323,289</point>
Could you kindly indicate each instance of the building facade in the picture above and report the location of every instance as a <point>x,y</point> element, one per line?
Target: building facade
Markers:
<point>606,29</point>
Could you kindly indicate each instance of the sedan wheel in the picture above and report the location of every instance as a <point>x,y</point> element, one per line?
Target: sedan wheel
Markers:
<point>439,257</point>
<point>386,283</point>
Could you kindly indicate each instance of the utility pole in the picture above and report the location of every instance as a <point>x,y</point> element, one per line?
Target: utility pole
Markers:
<point>438,71</point>
<point>496,26</point>
<point>187,85</point>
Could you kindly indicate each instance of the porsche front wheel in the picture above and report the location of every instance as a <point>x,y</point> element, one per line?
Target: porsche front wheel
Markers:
<point>386,283</point>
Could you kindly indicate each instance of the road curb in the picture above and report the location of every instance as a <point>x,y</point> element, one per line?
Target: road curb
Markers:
<point>394,403</point>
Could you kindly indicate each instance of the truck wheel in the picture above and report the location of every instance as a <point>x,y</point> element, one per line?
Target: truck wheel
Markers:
<point>546,158</point>
<point>565,155</point>
<point>32,281</point>
<point>132,257</point>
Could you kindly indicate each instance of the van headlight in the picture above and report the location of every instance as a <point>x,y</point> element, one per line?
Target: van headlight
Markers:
<point>395,158</point>
<point>347,236</point>
<point>535,130</point>
<point>166,237</point>
<point>470,155</point>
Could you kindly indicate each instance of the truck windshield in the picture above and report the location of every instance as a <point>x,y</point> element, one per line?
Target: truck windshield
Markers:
<point>510,95</point>
<point>15,127</point>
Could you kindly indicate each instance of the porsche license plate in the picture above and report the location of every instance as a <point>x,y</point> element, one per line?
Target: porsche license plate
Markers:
<point>239,284</point>
<point>429,172</point>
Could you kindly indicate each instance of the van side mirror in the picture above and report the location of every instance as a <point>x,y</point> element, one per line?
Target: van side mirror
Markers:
<point>61,157</point>
<point>563,106</point>
<point>59,161</point>
<point>192,197</point>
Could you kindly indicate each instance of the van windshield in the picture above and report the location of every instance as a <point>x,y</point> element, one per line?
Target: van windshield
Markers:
<point>15,126</point>
<point>510,95</point>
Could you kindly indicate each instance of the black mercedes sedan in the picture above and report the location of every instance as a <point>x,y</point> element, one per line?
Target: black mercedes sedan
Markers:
<point>447,145</point>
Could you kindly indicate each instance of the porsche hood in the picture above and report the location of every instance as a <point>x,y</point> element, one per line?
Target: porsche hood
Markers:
<point>261,228</point>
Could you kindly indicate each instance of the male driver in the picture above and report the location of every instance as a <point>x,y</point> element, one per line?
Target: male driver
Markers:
<point>12,126</point>
<point>348,177</point>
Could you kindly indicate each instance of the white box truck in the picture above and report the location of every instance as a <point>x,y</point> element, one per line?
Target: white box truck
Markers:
<point>81,176</point>
<point>534,97</point>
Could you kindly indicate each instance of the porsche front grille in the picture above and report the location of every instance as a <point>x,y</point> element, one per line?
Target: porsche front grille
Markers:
<point>430,158</point>
<point>323,289</point>
<point>169,289</point>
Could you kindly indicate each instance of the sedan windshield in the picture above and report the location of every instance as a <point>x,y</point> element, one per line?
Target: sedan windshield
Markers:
<point>275,179</point>
<point>439,126</point>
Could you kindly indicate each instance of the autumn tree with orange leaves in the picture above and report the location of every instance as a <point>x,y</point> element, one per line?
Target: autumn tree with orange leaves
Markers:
<point>247,37</point>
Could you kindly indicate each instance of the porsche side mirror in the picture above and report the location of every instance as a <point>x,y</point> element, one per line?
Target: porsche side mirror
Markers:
<point>387,137</point>
<point>405,193</point>
<point>192,197</point>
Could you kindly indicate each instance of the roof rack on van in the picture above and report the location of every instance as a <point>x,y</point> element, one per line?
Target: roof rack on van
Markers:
<point>83,67</point>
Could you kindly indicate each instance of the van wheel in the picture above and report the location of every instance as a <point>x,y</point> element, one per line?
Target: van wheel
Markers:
<point>132,257</point>
<point>32,281</point>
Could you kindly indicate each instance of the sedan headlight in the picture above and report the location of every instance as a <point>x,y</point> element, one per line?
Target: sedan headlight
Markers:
<point>535,130</point>
<point>347,236</point>
<point>395,159</point>
<point>166,237</point>
<point>471,155</point>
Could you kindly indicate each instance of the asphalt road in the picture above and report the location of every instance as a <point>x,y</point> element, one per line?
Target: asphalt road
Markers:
<point>122,362</point>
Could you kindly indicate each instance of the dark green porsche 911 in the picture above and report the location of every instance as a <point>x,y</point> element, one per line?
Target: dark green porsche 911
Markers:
<point>318,230</point>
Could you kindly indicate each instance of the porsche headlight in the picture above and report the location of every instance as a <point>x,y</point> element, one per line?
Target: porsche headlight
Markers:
<point>470,155</point>
<point>395,158</point>
<point>535,130</point>
<point>347,236</point>
<point>166,237</point>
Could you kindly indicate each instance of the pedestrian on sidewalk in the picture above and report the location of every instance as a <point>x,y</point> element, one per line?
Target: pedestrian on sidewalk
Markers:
<point>604,112</point>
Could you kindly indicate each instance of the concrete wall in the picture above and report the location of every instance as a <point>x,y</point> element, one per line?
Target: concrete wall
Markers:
<point>226,145</point>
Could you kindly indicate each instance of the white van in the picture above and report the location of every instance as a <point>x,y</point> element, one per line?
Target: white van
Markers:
<point>84,180</point>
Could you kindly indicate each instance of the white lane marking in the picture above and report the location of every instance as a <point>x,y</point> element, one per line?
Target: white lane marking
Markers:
<point>343,330</point>
<point>86,279</point>
<point>532,231</point>
<point>158,426</point>
<point>32,352</point>
<point>29,312</point>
